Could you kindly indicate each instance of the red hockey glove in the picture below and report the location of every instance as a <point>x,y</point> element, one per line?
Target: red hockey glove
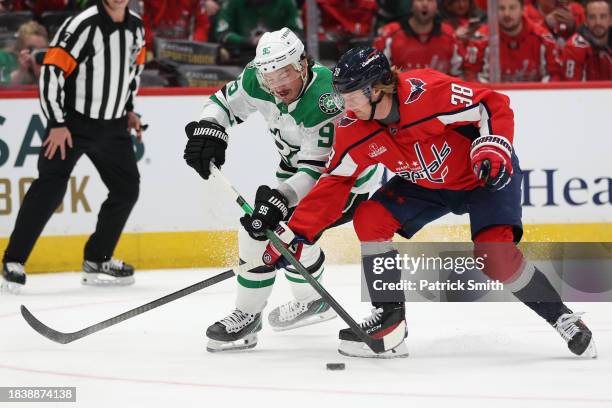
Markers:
<point>491,161</point>
<point>293,243</point>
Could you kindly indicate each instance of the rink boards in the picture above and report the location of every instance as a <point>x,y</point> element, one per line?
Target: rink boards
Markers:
<point>563,139</point>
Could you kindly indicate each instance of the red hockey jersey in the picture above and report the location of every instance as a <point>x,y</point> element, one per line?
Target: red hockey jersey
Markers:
<point>440,116</point>
<point>583,61</point>
<point>344,18</point>
<point>179,20</point>
<point>408,50</point>
<point>531,56</point>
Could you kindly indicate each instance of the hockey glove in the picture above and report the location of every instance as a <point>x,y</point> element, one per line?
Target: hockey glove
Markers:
<point>207,143</point>
<point>292,242</point>
<point>270,209</point>
<point>491,161</point>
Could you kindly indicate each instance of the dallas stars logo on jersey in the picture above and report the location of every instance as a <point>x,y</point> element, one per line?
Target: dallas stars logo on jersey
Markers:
<point>327,104</point>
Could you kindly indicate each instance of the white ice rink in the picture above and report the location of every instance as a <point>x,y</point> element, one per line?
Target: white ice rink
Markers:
<point>462,355</point>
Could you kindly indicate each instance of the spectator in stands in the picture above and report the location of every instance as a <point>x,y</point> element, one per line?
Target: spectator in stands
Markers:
<point>6,6</point>
<point>421,40</point>
<point>527,52</point>
<point>241,23</point>
<point>587,56</point>
<point>8,64</point>
<point>40,6</point>
<point>32,43</point>
<point>464,16</point>
<point>179,20</point>
<point>341,20</point>
<point>390,11</point>
<point>560,17</point>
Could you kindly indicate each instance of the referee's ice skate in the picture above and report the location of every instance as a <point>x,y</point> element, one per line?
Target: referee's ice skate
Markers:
<point>236,331</point>
<point>294,314</point>
<point>13,277</point>
<point>111,272</point>
<point>386,322</point>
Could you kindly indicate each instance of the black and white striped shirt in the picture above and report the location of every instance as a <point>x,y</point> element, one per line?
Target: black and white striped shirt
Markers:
<point>93,66</point>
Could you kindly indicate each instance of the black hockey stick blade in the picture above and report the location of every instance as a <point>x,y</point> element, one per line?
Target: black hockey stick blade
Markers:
<point>65,338</point>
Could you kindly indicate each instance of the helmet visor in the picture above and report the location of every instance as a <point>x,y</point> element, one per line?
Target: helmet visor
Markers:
<point>355,100</point>
<point>280,78</point>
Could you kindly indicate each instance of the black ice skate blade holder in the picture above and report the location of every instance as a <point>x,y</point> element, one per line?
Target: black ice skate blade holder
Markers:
<point>376,345</point>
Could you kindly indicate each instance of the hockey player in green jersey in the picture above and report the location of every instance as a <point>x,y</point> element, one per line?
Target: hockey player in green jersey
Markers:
<point>294,95</point>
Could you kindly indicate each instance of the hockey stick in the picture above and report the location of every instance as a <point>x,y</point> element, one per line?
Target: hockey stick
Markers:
<point>64,338</point>
<point>377,345</point>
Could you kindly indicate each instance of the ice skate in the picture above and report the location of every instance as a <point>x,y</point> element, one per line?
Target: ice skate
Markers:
<point>113,272</point>
<point>386,322</point>
<point>576,334</point>
<point>13,277</point>
<point>237,331</point>
<point>294,314</point>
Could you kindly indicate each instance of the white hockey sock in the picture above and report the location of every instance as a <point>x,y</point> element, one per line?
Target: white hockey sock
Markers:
<point>253,290</point>
<point>301,289</point>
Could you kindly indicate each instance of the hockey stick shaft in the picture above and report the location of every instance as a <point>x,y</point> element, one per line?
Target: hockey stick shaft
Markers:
<point>64,338</point>
<point>377,345</point>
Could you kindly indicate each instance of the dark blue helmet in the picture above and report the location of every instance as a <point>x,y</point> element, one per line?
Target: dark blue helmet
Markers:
<point>359,68</point>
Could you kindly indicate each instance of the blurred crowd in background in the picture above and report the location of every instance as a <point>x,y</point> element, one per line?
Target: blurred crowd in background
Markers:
<point>207,42</point>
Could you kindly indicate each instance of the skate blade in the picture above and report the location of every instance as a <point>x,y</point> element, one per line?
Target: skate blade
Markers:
<point>360,349</point>
<point>102,279</point>
<point>591,350</point>
<point>216,346</point>
<point>11,288</point>
<point>307,321</point>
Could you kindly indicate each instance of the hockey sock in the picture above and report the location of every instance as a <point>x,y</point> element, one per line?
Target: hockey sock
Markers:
<point>385,279</point>
<point>254,288</point>
<point>541,297</point>
<point>301,289</point>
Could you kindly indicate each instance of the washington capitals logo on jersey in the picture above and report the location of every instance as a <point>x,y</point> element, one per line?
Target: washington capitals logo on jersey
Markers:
<point>346,121</point>
<point>417,87</point>
<point>422,170</point>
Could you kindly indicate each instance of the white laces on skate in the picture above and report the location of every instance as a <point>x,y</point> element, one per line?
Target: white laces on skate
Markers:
<point>373,318</point>
<point>291,310</point>
<point>566,325</point>
<point>112,264</point>
<point>15,267</point>
<point>237,320</point>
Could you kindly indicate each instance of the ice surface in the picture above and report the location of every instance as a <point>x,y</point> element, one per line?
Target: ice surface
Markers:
<point>462,355</point>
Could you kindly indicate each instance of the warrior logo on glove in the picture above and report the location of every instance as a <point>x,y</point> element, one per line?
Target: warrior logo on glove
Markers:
<point>491,161</point>
<point>270,209</point>
<point>207,143</point>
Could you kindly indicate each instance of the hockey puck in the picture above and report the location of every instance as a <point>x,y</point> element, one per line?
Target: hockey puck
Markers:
<point>335,366</point>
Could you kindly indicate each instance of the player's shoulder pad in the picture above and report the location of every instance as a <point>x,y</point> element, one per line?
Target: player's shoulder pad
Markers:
<point>250,84</point>
<point>316,106</point>
<point>417,82</point>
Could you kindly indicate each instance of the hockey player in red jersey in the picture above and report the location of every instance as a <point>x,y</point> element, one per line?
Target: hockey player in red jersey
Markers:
<point>449,143</point>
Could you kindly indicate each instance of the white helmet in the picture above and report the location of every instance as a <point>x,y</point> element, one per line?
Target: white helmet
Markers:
<point>277,49</point>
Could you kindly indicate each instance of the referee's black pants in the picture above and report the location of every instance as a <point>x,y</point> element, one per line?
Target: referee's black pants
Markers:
<point>109,146</point>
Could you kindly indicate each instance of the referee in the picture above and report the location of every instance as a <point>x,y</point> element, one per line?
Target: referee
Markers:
<point>88,82</point>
